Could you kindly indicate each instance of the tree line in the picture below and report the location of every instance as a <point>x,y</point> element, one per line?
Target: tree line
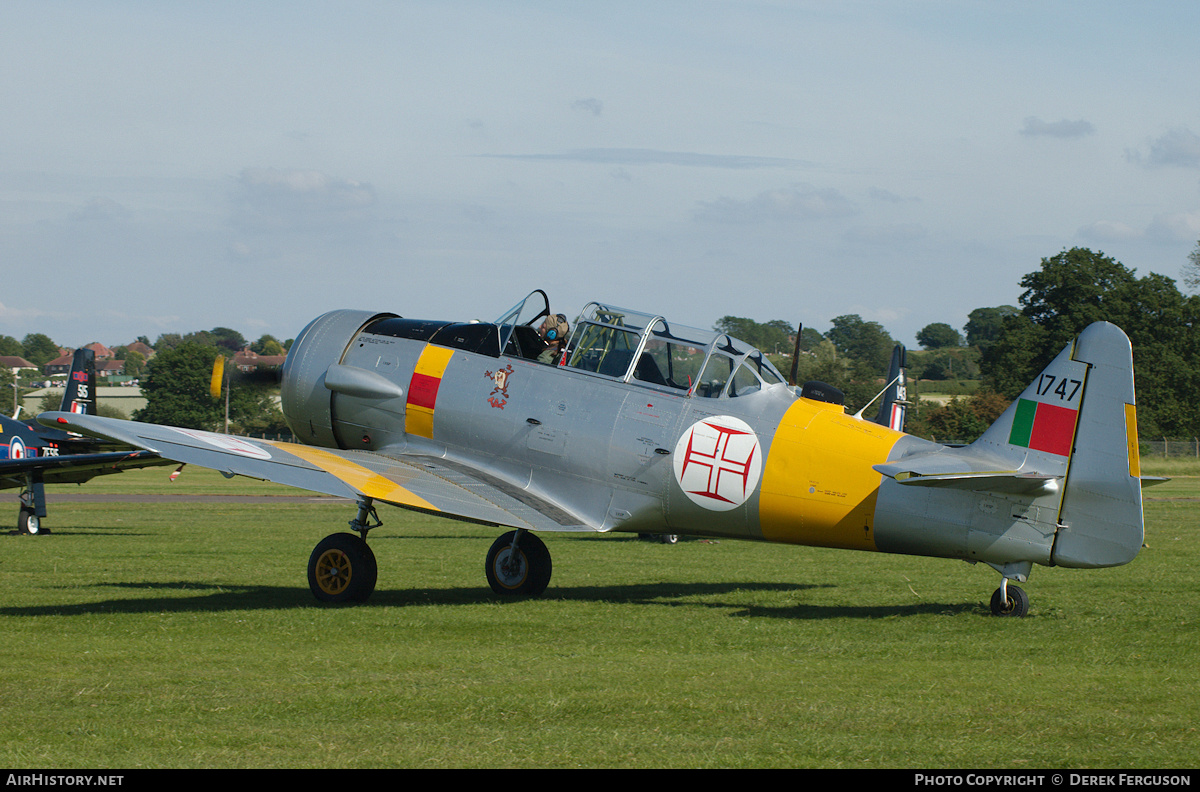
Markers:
<point>1002,347</point>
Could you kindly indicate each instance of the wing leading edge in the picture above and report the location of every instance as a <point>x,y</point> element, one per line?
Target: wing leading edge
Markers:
<point>428,484</point>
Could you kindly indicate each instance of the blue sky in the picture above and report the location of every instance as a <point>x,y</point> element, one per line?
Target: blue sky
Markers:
<point>169,167</point>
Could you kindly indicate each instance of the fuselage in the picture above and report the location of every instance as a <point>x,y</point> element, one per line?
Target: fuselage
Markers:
<point>618,452</point>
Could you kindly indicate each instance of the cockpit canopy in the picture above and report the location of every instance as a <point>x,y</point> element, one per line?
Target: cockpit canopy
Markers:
<point>610,342</point>
<point>647,349</point>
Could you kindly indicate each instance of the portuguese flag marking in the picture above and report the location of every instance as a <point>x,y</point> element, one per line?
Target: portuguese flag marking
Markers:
<point>1043,427</point>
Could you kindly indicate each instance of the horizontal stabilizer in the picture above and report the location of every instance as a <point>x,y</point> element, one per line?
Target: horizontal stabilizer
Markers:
<point>1007,481</point>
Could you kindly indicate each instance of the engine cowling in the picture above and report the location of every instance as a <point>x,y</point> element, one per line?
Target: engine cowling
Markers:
<point>305,398</point>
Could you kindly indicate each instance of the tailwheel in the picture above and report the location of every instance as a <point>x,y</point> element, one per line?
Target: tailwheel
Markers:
<point>342,569</point>
<point>29,523</point>
<point>1010,601</point>
<point>518,563</point>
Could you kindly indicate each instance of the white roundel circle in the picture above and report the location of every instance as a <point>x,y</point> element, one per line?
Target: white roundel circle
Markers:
<point>230,443</point>
<point>718,462</point>
<point>16,448</point>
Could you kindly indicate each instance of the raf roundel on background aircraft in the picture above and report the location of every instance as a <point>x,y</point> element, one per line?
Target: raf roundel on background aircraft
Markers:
<point>641,425</point>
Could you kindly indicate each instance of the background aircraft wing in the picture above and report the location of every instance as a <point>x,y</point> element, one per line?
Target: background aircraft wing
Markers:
<point>429,484</point>
<point>74,468</point>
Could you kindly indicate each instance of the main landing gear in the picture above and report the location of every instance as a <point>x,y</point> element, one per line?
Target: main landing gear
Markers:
<point>342,568</point>
<point>33,508</point>
<point>29,523</point>
<point>518,563</point>
<point>1009,600</point>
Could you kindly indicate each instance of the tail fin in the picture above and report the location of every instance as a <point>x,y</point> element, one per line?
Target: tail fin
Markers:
<point>1078,417</point>
<point>891,409</point>
<point>80,395</point>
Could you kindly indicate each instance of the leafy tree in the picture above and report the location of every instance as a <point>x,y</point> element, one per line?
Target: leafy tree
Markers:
<point>960,420</point>
<point>769,336</point>
<point>167,341</point>
<point>1078,287</point>
<point>939,335</point>
<point>1191,270</point>
<point>867,344</point>
<point>11,346</point>
<point>227,339</point>
<point>984,325</point>
<point>821,363</point>
<point>176,387</point>
<point>810,339</point>
<point>39,349</point>
<point>135,363</point>
<point>267,345</point>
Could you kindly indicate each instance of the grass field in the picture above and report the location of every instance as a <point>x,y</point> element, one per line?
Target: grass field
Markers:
<point>183,635</point>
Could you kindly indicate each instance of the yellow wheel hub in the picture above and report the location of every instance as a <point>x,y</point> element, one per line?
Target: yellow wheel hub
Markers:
<point>333,572</point>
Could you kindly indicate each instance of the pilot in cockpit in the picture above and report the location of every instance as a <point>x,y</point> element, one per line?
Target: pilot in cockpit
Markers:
<point>554,333</point>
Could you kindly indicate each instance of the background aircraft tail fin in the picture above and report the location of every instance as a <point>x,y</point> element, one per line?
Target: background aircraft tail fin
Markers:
<point>80,395</point>
<point>1078,419</point>
<point>895,398</point>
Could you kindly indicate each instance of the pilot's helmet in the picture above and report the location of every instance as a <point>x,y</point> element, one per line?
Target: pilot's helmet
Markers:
<point>555,328</point>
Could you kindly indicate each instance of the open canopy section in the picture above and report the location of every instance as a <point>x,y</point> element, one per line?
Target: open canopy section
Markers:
<point>647,349</point>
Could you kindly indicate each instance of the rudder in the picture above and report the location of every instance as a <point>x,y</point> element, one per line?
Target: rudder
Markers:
<point>80,395</point>
<point>1101,521</point>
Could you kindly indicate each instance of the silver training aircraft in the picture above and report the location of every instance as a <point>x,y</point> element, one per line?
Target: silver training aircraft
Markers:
<point>629,422</point>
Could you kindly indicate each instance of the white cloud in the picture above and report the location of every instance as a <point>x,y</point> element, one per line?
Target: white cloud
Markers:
<point>801,202</point>
<point>1109,231</point>
<point>1177,148</point>
<point>1036,127</point>
<point>1175,227</point>
<point>593,106</point>
<point>1171,227</point>
<point>641,156</point>
<point>270,200</point>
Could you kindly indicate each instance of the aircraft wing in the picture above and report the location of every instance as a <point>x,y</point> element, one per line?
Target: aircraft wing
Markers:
<point>74,468</point>
<point>425,483</point>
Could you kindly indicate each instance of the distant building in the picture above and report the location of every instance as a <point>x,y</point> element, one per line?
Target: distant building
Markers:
<point>247,360</point>
<point>102,352</point>
<point>15,364</point>
<point>141,349</point>
<point>60,365</point>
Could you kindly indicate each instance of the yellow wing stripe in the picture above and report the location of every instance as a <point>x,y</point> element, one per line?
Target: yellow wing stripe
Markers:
<point>358,477</point>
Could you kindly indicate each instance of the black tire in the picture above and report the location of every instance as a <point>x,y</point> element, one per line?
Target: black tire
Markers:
<point>30,524</point>
<point>342,569</point>
<point>524,573</point>
<point>1016,604</point>
<point>668,538</point>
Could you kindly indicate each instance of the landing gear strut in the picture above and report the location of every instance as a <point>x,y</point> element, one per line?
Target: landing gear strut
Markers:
<point>518,563</point>
<point>342,568</point>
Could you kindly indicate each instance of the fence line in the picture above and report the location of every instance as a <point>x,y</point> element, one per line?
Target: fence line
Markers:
<point>1170,447</point>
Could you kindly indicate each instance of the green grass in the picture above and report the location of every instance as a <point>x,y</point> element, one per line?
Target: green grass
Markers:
<point>184,635</point>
